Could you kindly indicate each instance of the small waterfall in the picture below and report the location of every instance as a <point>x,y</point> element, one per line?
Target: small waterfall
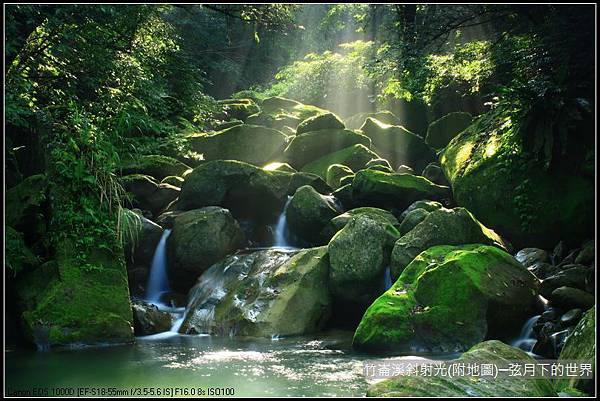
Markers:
<point>157,281</point>
<point>526,340</point>
<point>387,279</point>
<point>281,229</point>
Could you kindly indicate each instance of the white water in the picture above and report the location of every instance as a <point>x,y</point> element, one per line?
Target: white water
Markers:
<point>158,283</point>
<point>281,229</point>
<point>387,279</point>
<point>526,340</point>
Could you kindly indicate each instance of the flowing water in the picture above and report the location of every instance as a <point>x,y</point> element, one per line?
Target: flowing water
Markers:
<point>387,279</point>
<point>281,229</point>
<point>526,340</point>
<point>157,281</point>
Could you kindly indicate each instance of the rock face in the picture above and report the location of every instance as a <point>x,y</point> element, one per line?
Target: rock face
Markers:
<point>398,145</point>
<point>320,122</point>
<point>199,239</point>
<point>377,188</point>
<point>305,148</point>
<point>580,346</point>
<point>147,319</point>
<point>147,194</point>
<point>339,222</point>
<point>354,157</point>
<point>411,220</point>
<point>266,293</point>
<point>248,143</point>
<point>441,131</point>
<point>308,212</point>
<point>441,227</point>
<point>358,255</point>
<point>493,175</point>
<point>487,352</point>
<point>156,166</point>
<point>335,173</point>
<point>246,190</point>
<point>448,299</point>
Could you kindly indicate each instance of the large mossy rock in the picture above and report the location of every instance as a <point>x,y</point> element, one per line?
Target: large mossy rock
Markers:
<point>199,239</point>
<point>448,299</point>
<point>305,148</point>
<point>357,120</point>
<point>248,143</point>
<point>354,157</point>
<point>494,175</point>
<point>441,131</point>
<point>67,303</point>
<point>335,173</point>
<point>398,145</point>
<point>320,122</point>
<point>399,190</point>
<point>493,352</point>
<point>147,194</point>
<point>358,255</point>
<point>264,294</point>
<point>156,166</point>
<point>238,109</point>
<point>581,347</point>
<point>246,190</point>
<point>441,227</point>
<point>308,212</point>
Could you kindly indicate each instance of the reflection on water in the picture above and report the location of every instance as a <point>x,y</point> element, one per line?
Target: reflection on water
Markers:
<point>311,366</point>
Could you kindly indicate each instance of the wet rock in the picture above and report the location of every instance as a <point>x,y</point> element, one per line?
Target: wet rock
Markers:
<point>441,131</point>
<point>156,166</point>
<point>530,256</point>
<point>376,188</point>
<point>354,157</point>
<point>441,227</point>
<point>398,145</point>
<point>309,212</point>
<point>445,386</point>
<point>358,255</point>
<point>199,239</point>
<point>147,319</point>
<point>263,294</point>
<point>576,276</point>
<point>571,317</point>
<point>580,346</point>
<point>252,144</point>
<point>147,194</point>
<point>339,222</point>
<point>568,297</point>
<point>308,147</point>
<point>320,122</point>
<point>587,254</point>
<point>543,270</point>
<point>448,299</point>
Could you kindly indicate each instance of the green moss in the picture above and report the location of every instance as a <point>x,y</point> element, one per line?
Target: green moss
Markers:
<point>25,199</point>
<point>320,122</point>
<point>157,166</point>
<point>18,255</point>
<point>308,212</point>
<point>354,157</point>
<point>335,172</point>
<point>305,148</point>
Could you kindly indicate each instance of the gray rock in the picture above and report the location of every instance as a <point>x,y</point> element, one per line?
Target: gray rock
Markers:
<point>530,256</point>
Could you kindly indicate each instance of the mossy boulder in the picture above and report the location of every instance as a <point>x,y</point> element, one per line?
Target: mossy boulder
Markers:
<point>276,103</point>
<point>67,303</point>
<point>279,166</point>
<point>156,166</point>
<point>494,174</point>
<point>244,189</point>
<point>18,256</point>
<point>320,122</point>
<point>441,131</point>
<point>301,178</point>
<point>492,351</point>
<point>248,143</point>
<point>264,294</point>
<point>448,299</point>
<point>434,173</point>
<point>358,255</point>
<point>378,188</point>
<point>411,220</point>
<point>199,239</point>
<point>427,205</point>
<point>25,205</point>
<point>441,227</point>
<point>397,144</point>
<point>339,222</point>
<point>354,157</point>
<point>380,164</point>
<point>335,173</point>
<point>308,147</point>
<point>580,346</point>
<point>308,212</point>
<point>147,194</point>
<point>239,109</point>
<point>357,120</point>
<point>173,180</point>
